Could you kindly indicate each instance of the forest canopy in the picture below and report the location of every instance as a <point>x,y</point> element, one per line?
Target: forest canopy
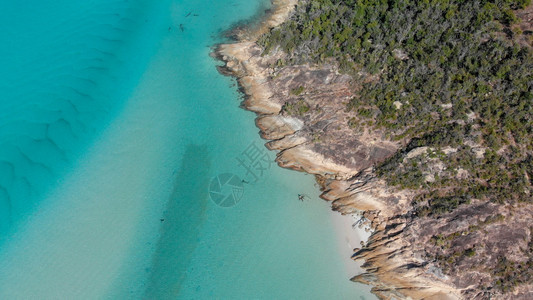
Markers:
<point>450,73</point>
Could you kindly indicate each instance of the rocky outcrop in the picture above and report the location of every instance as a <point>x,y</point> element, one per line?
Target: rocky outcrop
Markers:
<point>301,112</point>
<point>310,136</point>
<point>316,141</point>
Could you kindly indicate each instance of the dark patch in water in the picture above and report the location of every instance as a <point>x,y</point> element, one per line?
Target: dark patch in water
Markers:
<point>184,216</point>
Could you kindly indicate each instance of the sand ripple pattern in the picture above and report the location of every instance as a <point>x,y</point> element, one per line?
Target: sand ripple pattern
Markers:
<point>57,78</point>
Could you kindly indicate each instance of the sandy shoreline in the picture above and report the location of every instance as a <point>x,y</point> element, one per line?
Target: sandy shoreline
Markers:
<point>349,238</point>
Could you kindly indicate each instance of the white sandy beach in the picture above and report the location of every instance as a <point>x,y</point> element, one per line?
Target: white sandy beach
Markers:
<point>348,238</point>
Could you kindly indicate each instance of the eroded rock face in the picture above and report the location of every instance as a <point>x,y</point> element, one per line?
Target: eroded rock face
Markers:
<point>301,112</point>
<point>400,256</point>
<point>303,108</point>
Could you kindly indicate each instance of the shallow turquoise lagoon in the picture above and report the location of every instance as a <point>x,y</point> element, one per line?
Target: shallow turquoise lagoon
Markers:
<point>113,125</point>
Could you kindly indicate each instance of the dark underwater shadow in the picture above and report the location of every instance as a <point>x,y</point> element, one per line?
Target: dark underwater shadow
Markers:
<point>181,224</point>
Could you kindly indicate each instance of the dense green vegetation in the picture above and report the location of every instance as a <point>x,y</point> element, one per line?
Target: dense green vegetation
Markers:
<point>452,75</point>
<point>445,72</point>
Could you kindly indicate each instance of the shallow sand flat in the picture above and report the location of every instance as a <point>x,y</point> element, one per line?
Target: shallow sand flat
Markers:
<point>131,219</point>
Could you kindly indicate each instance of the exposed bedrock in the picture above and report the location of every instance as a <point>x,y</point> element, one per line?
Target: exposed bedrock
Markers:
<point>301,112</point>
<point>318,142</point>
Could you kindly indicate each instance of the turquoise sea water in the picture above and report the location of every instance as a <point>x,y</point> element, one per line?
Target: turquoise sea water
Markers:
<point>113,124</point>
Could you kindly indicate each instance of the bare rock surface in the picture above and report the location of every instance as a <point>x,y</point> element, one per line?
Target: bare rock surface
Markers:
<point>301,112</point>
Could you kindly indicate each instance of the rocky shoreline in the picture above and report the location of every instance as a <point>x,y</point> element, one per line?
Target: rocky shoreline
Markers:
<point>300,111</point>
